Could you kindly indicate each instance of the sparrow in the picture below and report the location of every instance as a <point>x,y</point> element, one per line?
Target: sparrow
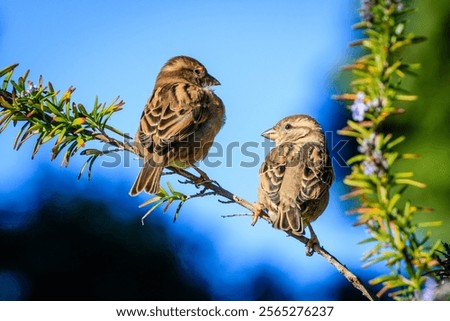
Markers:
<point>179,121</point>
<point>295,177</point>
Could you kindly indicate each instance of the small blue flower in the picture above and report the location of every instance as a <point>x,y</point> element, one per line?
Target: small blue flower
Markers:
<point>358,111</point>
<point>379,160</point>
<point>429,290</point>
<point>398,4</point>
<point>377,104</point>
<point>32,88</point>
<point>367,5</point>
<point>359,108</point>
<point>360,97</point>
<point>368,144</point>
<point>375,163</point>
<point>369,167</point>
<point>366,9</point>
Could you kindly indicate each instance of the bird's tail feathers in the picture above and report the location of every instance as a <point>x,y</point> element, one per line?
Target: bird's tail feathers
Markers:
<point>147,180</point>
<point>290,220</point>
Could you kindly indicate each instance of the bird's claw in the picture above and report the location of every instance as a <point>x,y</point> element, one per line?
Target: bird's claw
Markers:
<point>256,214</point>
<point>313,241</point>
<point>203,178</point>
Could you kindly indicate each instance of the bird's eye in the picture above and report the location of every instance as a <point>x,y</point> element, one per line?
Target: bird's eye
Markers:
<point>197,71</point>
<point>288,126</point>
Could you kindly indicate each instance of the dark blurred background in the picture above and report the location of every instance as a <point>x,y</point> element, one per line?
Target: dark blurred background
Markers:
<point>63,239</point>
<point>73,247</point>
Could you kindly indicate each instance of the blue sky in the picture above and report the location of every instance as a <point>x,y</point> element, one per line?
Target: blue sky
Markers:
<point>273,58</point>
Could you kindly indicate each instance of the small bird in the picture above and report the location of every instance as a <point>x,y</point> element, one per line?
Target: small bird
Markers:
<point>179,121</point>
<point>295,176</point>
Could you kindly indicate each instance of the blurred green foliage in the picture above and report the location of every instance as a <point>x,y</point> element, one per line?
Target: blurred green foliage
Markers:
<point>380,90</point>
<point>426,121</point>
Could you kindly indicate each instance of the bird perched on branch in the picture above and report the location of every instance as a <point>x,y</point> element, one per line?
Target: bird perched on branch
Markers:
<point>179,122</point>
<point>295,176</point>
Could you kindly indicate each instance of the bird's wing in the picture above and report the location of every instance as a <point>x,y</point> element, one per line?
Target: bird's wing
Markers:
<point>295,177</point>
<point>272,173</point>
<point>173,112</point>
<point>315,172</point>
<point>308,177</point>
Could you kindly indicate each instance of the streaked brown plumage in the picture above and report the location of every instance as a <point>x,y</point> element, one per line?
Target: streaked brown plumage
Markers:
<point>296,175</point>
<point>179,122</point>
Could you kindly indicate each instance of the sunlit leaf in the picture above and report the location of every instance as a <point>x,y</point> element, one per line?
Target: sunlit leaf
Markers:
<point>393,201</point>
<point>411,182</point>
<point>406,97</point>
<point>430,224</point>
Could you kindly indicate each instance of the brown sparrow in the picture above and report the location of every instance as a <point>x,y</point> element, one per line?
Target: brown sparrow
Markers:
<point>295,176</point>
<point>179,122</point>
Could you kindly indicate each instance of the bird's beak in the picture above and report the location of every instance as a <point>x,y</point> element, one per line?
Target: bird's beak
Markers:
<point>211,81</point>
<point>270,134</point>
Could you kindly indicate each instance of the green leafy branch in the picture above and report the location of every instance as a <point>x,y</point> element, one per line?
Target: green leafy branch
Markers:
<point>45,114</point>
<point>169,196</point>
<point>376,92</point>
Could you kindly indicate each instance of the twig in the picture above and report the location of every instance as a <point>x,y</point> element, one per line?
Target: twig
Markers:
<point>235,215</point>
<point>218,190</point>
<point>168,173</point>
<point>201,194</point>
<point>225,202</point>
